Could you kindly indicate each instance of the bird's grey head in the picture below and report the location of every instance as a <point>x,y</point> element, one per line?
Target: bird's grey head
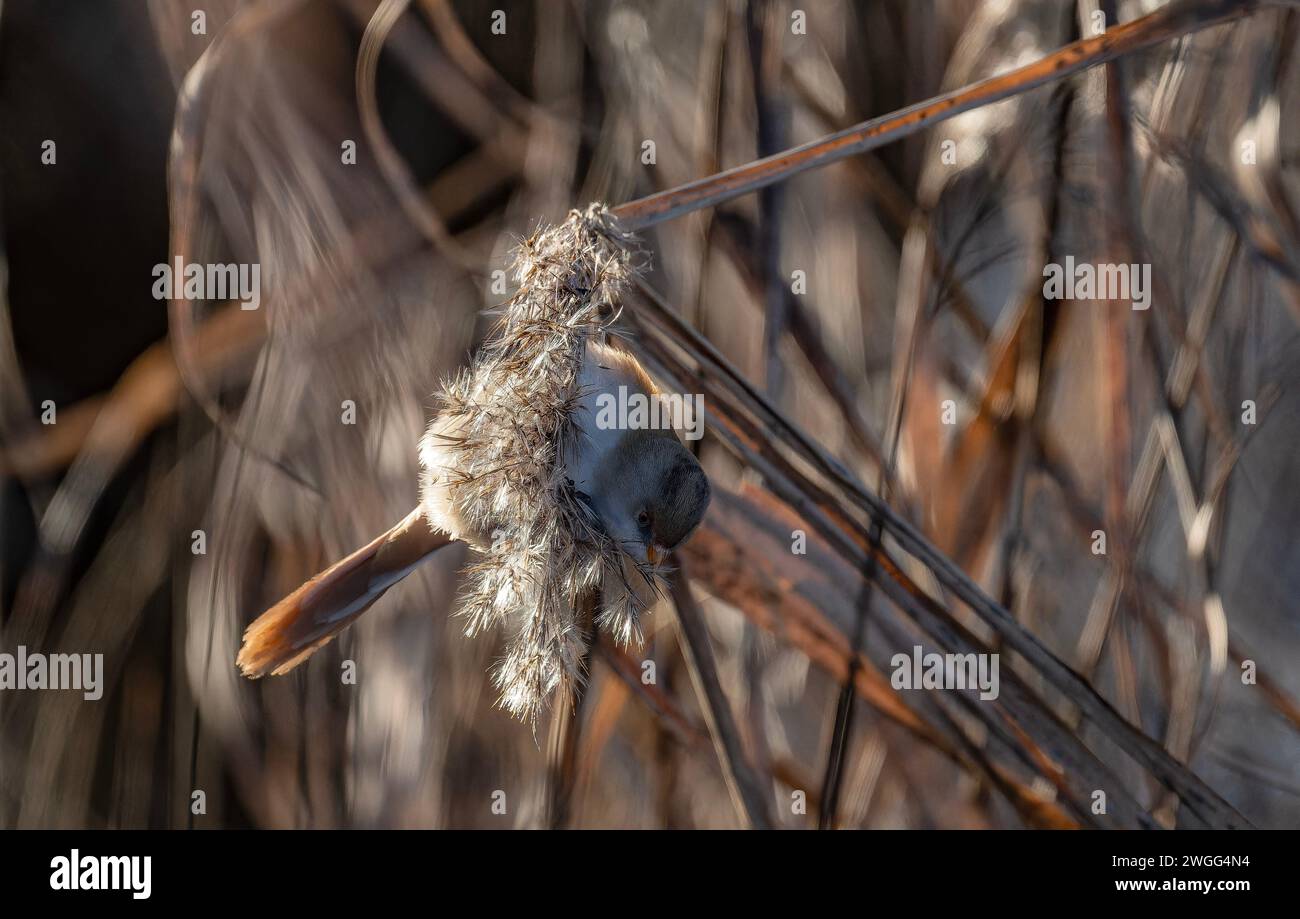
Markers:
<point>654,496</point>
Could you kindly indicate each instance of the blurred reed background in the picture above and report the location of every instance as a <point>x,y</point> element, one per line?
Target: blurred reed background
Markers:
<point>923,284</point>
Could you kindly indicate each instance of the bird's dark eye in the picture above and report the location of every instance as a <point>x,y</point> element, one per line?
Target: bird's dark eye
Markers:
<point>643,518</point>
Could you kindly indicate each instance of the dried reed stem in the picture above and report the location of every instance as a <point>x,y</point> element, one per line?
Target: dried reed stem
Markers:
<point>748,791</point>
<point>1202,800</point>
<point>1171,21</point>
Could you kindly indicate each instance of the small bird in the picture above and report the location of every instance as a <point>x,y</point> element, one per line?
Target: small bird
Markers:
<point>559,503</point>
<point>647,492</point>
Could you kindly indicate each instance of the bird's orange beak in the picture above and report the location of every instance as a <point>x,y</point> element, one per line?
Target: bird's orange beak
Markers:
<point>652,555</point>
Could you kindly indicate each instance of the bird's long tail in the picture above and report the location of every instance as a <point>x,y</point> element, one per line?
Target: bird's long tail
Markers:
<point>290,632</point>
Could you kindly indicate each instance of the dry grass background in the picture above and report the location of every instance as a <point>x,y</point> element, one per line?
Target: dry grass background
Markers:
<point>924,284</point>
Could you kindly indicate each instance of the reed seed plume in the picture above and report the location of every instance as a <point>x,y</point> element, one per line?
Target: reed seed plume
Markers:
<point>513,413</point>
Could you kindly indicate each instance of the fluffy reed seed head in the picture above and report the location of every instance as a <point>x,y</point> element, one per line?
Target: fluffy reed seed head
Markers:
<point>515,413</point>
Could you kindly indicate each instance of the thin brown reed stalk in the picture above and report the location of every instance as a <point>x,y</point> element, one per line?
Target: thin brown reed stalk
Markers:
<point>1168,22</point>
<point>750,793</point>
